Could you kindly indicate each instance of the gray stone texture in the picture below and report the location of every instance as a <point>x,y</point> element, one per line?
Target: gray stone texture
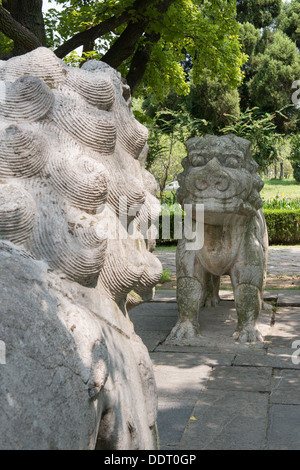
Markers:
<point>220,174</point>
<point>76,206</point>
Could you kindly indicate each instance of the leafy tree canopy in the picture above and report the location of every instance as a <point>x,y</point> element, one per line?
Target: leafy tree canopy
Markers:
<point>260,13</point>
<point>289,21</point>
<point>276,70</point>
<point>144,39</point>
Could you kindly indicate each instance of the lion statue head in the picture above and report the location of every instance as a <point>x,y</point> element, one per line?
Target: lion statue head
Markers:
<point>220,173</point>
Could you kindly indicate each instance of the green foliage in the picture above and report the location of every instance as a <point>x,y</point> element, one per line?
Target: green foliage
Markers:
<point>166,276</point>
<point>260,13</point>
<point>76,16</point>
<point>296,171</point>
<point>283,226</point>
<point>249,38</point>
<point>272,67</point>
<point>289,21</point>
<point>295,148</point>
<point>168,132</point>
<point>6,44</point>
<point>260,129</point>
<point>175,215</point>
<point>275,71</point>
<point>77,60</point>
<point>213,101</point>
<point>179,123</point>
<point>295,156</point>
<point>281,202</point>
<point>169,199</point>
<point>207,30</point>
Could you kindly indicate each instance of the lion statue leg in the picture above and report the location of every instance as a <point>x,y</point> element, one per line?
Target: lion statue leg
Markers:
<point>190,296</point>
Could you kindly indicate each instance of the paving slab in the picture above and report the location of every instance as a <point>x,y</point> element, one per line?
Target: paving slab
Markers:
<point>190,358</point>
<point>222,394</point>
<point>288,297</point>
<point>286,329</point>
<point>252,379</point>
<point>279,359</point>
<point>177,383</point>
<point>285,387</point>
<point>227,420</point>
<point>172,419</point>
<point>283,431</point>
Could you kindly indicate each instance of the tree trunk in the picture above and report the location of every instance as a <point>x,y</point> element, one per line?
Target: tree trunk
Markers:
<point>164,179</point>
<point>17,32</point>
<point>281,171</point>
<point>140,61</point>
<point>124,46</point>
<point>29,14</point>
<point>143,52</point>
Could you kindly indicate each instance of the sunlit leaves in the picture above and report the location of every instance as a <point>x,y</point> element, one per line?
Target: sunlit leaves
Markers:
<point>206,29</point>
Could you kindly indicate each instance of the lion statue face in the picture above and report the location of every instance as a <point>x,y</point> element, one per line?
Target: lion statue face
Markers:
<point>220,173</point>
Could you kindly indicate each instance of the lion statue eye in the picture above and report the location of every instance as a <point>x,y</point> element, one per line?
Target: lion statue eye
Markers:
<point>198,160</point>
<point>232,162</point>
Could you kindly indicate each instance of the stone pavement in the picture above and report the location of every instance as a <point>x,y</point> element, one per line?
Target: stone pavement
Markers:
<point>223,395</point>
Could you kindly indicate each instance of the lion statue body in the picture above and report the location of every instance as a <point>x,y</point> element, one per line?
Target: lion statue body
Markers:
<point>72,182</point>
<point>220,173</point>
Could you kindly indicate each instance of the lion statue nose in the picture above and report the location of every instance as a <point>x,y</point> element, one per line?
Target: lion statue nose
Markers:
<point>219,182</point>
<point>212,177</point>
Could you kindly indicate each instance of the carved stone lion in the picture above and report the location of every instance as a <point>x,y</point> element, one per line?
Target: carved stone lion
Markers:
<point>74,195</point>
<point>220,173</point>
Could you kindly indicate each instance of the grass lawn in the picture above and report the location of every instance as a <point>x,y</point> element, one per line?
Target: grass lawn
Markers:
<point>288,187</point>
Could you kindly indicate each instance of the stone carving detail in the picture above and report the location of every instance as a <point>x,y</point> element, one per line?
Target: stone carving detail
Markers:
<point>73,258</point>
<point>220,173</point>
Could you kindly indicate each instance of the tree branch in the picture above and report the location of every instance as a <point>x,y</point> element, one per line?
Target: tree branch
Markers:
<point>15,31</point>
<point>90,34</point>
<point>140,61</point>
<point>102,28</point>
<point>125,45</point>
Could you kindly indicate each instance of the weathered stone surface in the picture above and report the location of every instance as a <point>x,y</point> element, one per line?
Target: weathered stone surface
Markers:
<point>76,205</point>
<point>220,173</point>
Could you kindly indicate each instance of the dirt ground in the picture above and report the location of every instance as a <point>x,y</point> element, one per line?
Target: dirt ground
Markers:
<point>273,282</point>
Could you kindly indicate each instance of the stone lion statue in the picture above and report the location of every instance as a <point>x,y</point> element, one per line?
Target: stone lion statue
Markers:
<point>75,206</point>
<point>220,173</point>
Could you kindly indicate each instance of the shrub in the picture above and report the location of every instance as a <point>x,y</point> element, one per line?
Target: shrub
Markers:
<point>281,202</point>
<point>283,226</point>
<point>166,276</point>
<point>296,171</point>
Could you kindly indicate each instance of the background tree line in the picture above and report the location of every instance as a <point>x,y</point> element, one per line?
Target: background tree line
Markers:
<point>194,66</point>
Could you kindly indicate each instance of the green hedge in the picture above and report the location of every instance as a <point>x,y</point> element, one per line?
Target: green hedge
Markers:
<point>283,227</point>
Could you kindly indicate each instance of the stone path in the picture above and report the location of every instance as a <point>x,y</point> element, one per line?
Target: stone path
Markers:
<point>223,395</point>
